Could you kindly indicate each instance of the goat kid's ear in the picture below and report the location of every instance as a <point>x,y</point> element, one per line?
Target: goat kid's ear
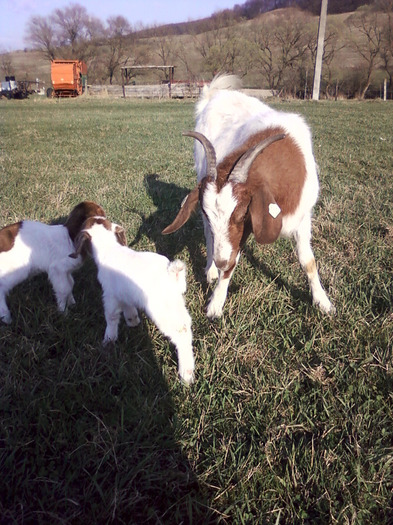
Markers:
<point>120,235</point>
<point>266,216</point>
<point>79,243</point>
<point>187,207</point>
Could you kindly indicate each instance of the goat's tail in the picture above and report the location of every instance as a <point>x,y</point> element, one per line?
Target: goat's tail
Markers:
<point>219,82</point>
<point>177,271</point>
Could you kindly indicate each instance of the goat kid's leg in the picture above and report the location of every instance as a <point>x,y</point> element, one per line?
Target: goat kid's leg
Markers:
<point>5,314</point>
<point>307,261</point>
<point>131,315</point>
<point>217,300</point>
<point>63,284</point>
<point>70,297</point>
<point>182,339</point>
<point>174,321</point>
<point>210,269</point>
<point>112,317</point>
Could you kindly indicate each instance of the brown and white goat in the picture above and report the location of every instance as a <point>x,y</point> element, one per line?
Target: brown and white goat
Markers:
<point>256,174</point>
<point>29,247</point>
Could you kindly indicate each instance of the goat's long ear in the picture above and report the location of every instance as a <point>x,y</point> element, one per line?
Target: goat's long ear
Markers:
<point>79,243</point>
<point>187,207</point>
<point>121,235</point>
<point>266,216</point>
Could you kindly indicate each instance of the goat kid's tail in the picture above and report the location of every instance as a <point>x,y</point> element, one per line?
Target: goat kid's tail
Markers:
<point>177,271</point>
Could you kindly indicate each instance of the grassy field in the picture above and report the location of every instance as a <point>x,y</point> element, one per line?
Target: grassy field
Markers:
<point>289,420</point>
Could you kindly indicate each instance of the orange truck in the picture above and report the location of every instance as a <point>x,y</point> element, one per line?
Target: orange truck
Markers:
<point>69,78</point>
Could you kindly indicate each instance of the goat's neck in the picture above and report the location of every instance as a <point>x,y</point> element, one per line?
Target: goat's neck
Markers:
<point>103,247</point>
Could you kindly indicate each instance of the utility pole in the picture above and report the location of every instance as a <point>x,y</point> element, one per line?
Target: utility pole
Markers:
<point>321,40</point>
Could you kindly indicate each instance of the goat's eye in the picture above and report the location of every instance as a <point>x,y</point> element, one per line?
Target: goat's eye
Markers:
<point>239,214</point>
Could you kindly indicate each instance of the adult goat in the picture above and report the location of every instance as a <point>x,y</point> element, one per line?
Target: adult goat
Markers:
<point>256,173</point>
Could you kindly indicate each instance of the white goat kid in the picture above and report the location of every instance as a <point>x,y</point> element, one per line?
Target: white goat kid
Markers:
<point>133,280</point>
<point>256,174</point>
<point>29,247</point>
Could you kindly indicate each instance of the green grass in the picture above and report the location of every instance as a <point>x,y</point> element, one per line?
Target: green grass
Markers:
<point>290,418</point>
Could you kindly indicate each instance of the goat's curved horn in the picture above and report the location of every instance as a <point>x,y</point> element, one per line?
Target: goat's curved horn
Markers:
<point>211,161</point>
<point>240,171</point>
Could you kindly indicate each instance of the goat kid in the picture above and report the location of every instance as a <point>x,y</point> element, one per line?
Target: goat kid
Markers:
<point>256,174</point>
<point>29,247</point>
<point>147,281</point>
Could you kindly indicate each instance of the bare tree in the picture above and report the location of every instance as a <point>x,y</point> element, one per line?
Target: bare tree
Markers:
<point>71,23</point>
<point>367,41</point>
<point>220,45</point>
<point>280,50</point>
<point>264,53</point>
<point>66,33</point>
<point>118,28</point>
<point>182,55</point>
<point>77,31</point>
<point>41,35</point>
<point>164,49</point>
<point>6,64</point>
<point>386,7</point>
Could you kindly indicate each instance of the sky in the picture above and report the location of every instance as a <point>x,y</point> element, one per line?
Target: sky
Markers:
<point>14,14</point>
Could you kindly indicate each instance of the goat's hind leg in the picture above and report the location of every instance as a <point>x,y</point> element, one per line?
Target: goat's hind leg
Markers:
<point>5,315</point>
<point>63,283</point>
<point>131,316</point>
<point>175,323</point>
<point>307,261</point>
<point>181,337</point>
<point>113,311</point>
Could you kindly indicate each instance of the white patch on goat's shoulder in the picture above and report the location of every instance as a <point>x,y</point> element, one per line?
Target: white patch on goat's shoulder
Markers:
<point>219,207</point>
<point>274,210</point>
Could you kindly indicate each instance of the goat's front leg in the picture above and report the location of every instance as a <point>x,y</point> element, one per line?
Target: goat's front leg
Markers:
<point>307,261</point>
<point>217,300</point>
<point>112,318</point>
<point>210,269</point>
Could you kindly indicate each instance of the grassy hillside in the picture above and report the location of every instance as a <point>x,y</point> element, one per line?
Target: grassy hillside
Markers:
<point>290,418</point>
<point>186,51</point>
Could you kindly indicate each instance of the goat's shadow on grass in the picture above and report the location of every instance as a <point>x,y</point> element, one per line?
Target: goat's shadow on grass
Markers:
<point>167,197</point>
<point>299,295</point>
<point>93,437</point>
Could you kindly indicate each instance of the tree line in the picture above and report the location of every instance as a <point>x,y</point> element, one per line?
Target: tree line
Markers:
<point>275,51</point>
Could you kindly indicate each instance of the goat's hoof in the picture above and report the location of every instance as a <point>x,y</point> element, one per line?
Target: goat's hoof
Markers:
<point>107,341</point>
<point>6,319</point>
<point>331,310</point>
<point>132,322</point>
<point>71,301</point>
<point>325,306</point>
<point>213,312</point>
<point>187,376</point>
